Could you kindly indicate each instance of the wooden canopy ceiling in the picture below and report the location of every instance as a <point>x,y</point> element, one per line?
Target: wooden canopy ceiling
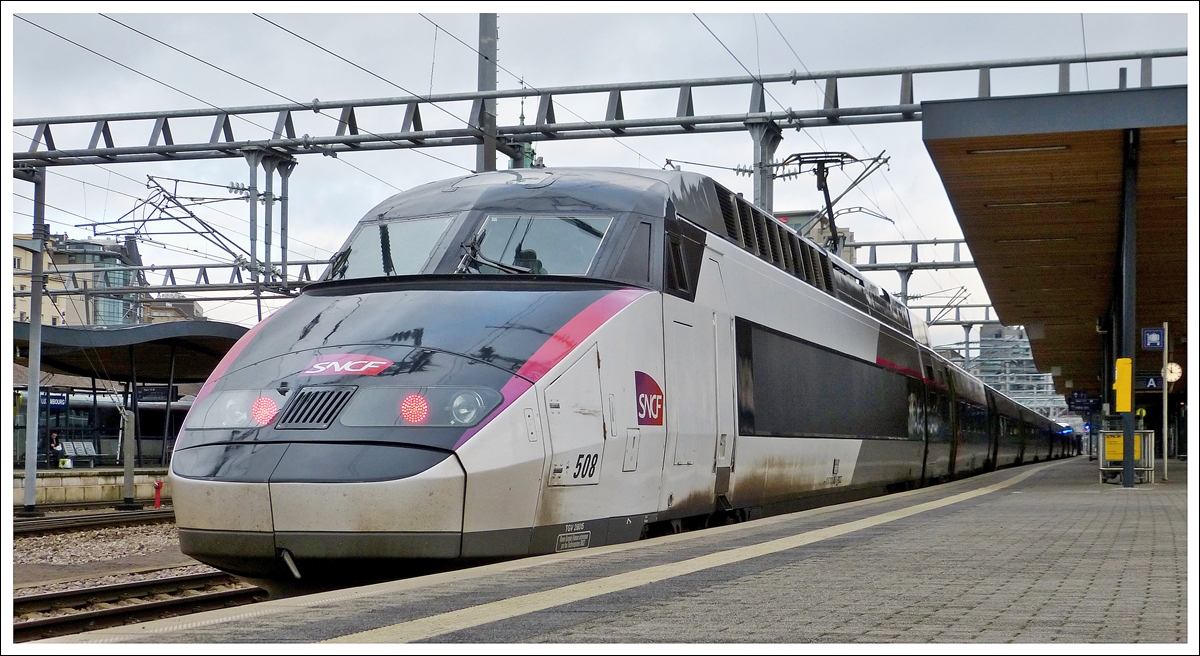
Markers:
<point>1036,183</point>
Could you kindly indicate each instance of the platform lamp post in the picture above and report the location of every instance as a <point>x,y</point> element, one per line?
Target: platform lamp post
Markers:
<point>33,395</point>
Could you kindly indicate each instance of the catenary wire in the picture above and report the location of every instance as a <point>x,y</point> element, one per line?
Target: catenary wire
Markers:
<point>200,100</point>
<point>259,86</point>
<point>896,194</point>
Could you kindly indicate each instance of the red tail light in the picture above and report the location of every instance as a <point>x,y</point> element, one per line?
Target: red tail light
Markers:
<point>263,410</point>
<point>414,409</point>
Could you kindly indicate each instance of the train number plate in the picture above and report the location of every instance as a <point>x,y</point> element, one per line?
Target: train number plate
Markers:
<point>575,469</point>
<point>570,541</point>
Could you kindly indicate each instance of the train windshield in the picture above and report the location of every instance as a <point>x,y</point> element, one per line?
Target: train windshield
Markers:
<point>546,245</point>
<point>390,248</point>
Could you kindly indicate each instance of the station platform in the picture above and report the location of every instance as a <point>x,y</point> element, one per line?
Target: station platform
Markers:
<point>1036,554</point>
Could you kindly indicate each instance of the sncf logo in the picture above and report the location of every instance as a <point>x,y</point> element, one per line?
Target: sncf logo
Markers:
<point>649,400</point>
<point>345,364</point>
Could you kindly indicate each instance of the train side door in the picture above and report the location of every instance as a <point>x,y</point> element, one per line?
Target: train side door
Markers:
<point>575,417</point>
<point>955,428</point>
<point>695,335</point>
<point>994,432</point>
<point>723,341</point>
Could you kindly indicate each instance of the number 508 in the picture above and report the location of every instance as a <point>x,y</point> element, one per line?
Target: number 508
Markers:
<point>585,465</point>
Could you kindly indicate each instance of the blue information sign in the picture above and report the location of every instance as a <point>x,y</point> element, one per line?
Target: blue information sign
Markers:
<point>1152,339</point>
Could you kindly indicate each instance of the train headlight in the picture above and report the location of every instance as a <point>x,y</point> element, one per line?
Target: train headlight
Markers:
<point>466,407</point>
<point>414,409</point>
<point>232,411</point>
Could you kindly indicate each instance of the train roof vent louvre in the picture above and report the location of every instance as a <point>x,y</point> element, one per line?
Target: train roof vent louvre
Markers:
<point>771,248</point>
<point>806,262</point>
<point>764,241</point>
<point>819,270</point>
<point>793,250</point>
<point>729,213</point>
<point>315,407</point>
<point>827,270</point>
<point>746,219</point>
<point>777,245</point>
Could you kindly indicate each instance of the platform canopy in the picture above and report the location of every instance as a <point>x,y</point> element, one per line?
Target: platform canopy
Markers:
<point>114,352</point>
<point>1036,183</point>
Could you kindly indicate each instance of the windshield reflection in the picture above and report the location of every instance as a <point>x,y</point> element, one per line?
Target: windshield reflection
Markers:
<point>392,248</point>
<point>541,245</point>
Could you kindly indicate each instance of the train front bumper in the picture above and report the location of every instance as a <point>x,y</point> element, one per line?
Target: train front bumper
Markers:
<point>245,526</point>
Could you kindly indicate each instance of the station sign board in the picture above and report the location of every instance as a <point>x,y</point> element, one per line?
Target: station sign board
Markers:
<point>1083,402</point>
<point>159,393</point>
<point>1152,382</point>
<point>56,400</point>
<point>1153,339</point>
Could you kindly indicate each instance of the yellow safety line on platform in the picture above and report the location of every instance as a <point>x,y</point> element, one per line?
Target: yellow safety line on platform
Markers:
<point>435,625</point>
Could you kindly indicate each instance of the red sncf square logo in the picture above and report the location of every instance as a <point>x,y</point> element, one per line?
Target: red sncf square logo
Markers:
<point>649,400</point>
<point>345,364</point>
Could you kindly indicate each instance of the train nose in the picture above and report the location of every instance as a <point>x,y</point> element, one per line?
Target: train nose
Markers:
<point>239,507</point>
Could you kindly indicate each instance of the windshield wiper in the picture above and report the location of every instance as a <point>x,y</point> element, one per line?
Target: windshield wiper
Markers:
<point>473,255</point>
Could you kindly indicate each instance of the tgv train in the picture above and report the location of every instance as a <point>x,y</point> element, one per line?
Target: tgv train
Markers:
<point>533,361</point>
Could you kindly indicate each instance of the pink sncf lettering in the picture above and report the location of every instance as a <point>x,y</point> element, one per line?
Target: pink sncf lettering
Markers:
<point>650,400</point>
<point>345,364</point>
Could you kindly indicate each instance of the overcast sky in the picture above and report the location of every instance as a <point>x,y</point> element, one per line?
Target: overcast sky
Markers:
<point>48,76</point>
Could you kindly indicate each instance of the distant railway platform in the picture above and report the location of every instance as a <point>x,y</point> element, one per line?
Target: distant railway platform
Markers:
<point>1034,554</point>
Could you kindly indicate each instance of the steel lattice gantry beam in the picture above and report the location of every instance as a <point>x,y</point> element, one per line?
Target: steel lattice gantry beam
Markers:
<point>172,278</point>
<point>352,134</point>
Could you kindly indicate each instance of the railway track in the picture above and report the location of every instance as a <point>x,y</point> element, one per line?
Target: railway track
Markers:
<point>91,520</point>
<point>74,611</point>
<point>83,505</point>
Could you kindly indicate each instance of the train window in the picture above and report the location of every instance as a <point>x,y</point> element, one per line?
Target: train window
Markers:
<point>677,278</point>
<point>635,265</point>
<point>683,257</point>
<point>788,387</point>
<point>562,245</point>
<point>391,248</point>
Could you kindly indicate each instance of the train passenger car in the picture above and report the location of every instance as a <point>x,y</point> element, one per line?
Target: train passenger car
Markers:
<point>532,361</point>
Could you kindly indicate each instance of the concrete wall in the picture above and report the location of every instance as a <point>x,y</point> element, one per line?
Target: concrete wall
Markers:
<point>67,486</point>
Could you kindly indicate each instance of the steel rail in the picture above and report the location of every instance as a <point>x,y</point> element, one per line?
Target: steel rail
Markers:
<point>77,505</point>
<point>91,520</point>
<point>98,618</point>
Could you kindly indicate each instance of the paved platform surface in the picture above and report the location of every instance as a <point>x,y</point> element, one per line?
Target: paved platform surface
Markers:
<point>1037,554</point>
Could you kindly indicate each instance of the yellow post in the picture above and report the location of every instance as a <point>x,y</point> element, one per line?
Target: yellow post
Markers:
<point>1124,385</point>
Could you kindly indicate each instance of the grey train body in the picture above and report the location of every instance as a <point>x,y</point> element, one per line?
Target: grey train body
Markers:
<point>542,360</point>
